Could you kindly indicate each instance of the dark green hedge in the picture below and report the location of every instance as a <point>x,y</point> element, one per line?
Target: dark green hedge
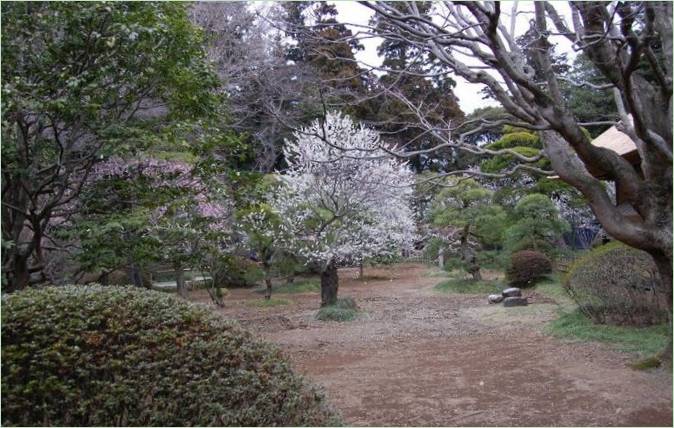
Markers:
<point>94,355</point>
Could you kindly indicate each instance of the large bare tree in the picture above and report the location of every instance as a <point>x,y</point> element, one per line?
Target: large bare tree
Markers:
<point>630,45</point>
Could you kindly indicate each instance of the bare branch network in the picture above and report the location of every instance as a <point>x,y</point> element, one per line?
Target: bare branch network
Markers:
<point>629,44</point>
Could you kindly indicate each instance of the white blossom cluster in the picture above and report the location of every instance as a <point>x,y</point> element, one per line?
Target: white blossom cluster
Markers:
<point>343,197</point>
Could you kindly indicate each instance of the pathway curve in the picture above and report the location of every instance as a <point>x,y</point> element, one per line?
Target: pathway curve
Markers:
<point>417,357</point>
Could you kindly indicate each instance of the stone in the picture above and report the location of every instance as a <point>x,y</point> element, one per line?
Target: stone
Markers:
<point>512,292</point>
<point>515,301</point>
<point>495,298</point>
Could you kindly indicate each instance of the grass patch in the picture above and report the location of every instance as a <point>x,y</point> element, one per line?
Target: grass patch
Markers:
<point>435,272</point>
<point>645,341</point>
<point>302,286</point>
<point>646,363</point>
<point>551,286</point>
<point>267,303</point>
<point>344,310</point>
<point>469,286</point>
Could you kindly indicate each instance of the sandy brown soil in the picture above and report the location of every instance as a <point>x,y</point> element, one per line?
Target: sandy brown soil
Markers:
<point>417,357</point>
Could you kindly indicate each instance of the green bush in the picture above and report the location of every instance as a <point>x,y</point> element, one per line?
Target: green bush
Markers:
<point>344,310</point>
<point>453,263</point>
<point>527,267</point>
<point>93,355</point>
<point>617,284</point>
<point>235,271</point>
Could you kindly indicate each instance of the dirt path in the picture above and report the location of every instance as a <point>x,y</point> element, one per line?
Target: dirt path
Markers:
<point>416,357</point>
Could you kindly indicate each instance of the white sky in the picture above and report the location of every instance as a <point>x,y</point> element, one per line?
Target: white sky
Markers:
<point>469,94</point>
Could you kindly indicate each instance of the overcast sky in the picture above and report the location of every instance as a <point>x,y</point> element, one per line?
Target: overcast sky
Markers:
<point>469,94</point>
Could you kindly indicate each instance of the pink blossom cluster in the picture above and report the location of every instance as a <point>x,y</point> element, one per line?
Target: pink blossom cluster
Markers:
<point>164,172</point>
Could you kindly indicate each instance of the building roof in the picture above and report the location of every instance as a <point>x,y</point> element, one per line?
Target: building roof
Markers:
<point>615,140</point>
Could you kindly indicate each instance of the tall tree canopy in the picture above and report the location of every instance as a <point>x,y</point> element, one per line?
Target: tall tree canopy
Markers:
<point>82,81</point>
<point>630,46</point>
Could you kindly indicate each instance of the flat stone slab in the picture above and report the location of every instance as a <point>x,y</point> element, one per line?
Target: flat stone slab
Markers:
<point>495,298</point>
<point>515,301</point>
<point>512,292</point>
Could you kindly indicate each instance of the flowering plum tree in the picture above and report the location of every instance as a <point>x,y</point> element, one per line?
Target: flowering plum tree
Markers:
<point>342,196</point>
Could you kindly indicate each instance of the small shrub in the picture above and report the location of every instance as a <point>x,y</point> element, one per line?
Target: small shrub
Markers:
<point>527,267</point>
<point>104,356</point>
<point>616,284</point>
<point>344,310</point>
<point>453,263</point>
<point>237,271</point>
<point>469,286</point>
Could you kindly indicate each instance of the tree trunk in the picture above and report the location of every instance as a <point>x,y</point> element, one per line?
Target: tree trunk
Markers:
<point>329,285</point>
<point>468,255</point>
<point>441,258</point>
<point>267,293</point>
<point>664,264</point>
<point>180,281</point>
<point>290,279</point>
<point>20,278</point>
<point>134,275</point>
<point>360,271</point>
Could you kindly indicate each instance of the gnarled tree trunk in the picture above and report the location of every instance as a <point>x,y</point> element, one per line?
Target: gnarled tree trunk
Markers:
<point>267,291</point>
<point>468,255</point>
<point>329,285</point>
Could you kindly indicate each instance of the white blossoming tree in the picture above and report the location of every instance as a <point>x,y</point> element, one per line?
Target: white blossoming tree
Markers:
<point>342,198</point>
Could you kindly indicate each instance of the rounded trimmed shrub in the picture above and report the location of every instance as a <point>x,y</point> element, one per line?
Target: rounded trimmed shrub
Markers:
<point>526,267</point>
<point>617,284</point>
<point>95,355</point>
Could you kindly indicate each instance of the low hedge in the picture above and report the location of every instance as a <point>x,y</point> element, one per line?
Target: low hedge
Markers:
<point>617,284</point>
<point>96,355</point>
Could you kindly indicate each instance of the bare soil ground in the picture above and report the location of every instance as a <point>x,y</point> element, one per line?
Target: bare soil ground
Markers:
<point>415,357</point>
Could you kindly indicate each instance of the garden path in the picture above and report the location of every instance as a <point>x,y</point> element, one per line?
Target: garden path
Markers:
<point>417,357</point>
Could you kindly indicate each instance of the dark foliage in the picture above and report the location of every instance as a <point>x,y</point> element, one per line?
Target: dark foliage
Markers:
<point>95,355</point>
<point>526,267</point>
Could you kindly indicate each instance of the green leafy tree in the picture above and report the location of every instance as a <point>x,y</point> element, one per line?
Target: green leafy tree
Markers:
<point>537,226</point>
<point>467,219</point>
<point>82,81</point>
<point>513,187</point>
<point>191,232</point>
<point>262,228</point>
